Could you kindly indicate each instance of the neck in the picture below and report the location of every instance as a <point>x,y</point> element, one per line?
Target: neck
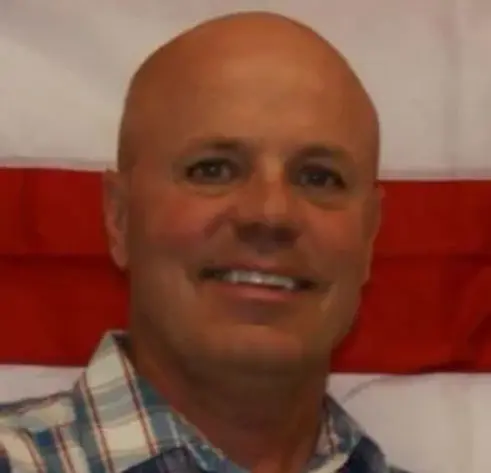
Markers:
<point>262,423</point>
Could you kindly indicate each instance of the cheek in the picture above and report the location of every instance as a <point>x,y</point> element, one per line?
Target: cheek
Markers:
<point>175,221</point>
<point>338,239</point>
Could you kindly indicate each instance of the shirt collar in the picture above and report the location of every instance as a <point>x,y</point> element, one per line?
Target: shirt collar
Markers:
<point>127,414</point>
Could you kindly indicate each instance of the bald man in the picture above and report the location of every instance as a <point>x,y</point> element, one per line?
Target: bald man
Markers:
<point>243,210</point>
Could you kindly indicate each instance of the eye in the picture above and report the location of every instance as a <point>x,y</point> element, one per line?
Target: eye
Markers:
<point>316,175</point>
<point>212,171</point>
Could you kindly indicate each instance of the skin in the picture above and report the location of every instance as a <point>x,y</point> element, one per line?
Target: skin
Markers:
<point>246,140</point>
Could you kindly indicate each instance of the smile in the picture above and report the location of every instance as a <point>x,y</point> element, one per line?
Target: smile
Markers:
<point>257,278</point>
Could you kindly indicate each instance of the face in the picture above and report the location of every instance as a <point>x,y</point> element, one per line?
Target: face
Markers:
<point>247,221</point>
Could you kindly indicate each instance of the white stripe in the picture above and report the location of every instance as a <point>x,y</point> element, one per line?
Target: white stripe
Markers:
<point>65,66</point>
<point>75,164</point>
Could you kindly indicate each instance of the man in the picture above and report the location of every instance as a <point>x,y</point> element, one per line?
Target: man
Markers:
<point>244,210</point>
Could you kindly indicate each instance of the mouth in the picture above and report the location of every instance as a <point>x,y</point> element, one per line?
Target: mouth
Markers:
<point>258,278</point>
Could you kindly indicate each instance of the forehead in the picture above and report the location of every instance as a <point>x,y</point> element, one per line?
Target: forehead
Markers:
<point>279,100</point>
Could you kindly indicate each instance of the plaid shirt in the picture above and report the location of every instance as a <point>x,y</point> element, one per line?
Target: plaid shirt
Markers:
<point>113,421</point>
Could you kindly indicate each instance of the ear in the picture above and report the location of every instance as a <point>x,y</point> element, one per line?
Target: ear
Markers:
<point>115,216</point>
<point>372,225</point>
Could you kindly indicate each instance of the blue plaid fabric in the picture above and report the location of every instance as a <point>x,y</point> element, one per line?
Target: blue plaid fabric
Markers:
<point>112,421</point>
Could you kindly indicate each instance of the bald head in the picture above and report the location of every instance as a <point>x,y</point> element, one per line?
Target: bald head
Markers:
<point>241,50</point>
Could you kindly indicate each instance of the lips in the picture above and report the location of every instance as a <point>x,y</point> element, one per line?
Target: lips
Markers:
<point>257,278</point>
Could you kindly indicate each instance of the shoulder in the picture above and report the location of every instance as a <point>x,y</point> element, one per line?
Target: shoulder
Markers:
<point>4,461</point>
<point>37,414</point>
<point>365,453</point>
<point>27,426</point>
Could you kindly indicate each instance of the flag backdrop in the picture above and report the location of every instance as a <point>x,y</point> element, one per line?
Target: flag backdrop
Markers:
<point>64,69</point>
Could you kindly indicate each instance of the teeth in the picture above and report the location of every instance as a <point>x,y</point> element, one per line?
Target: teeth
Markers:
<point>260,279</point>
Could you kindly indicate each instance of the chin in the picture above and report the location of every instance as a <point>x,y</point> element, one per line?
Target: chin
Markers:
<point>263,348</point>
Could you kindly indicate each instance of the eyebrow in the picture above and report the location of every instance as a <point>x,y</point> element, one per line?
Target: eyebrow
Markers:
<point>313,150</point>
<point>320,150</point>
<point>217,144</point>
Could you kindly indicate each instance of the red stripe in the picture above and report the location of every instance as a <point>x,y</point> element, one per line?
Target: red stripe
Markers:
<point>427,306</point>
<point>97,427</point>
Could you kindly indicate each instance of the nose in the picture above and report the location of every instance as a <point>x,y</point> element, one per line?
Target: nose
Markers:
<point>267,215</point>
